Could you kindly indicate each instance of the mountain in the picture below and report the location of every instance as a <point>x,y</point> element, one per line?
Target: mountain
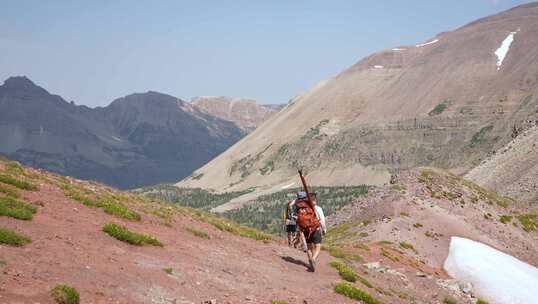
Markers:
<point>245,113</point>
<point>446,102</point>
<point>137,140</point>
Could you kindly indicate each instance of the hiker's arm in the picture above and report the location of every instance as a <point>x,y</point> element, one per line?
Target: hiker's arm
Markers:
<point>321,217</point>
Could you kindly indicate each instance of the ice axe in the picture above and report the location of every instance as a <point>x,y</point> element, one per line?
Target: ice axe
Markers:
<point>301,234</point>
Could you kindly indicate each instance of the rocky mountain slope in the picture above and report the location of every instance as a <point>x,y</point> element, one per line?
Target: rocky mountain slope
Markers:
<point>245,113</point>
<point>513,169</point>
<point>117,247</point>
<point>419,214</point>
<point>446,103</point>
<point>137,140</point>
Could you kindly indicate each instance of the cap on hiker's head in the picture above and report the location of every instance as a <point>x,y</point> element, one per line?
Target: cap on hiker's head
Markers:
<point>301,195</point>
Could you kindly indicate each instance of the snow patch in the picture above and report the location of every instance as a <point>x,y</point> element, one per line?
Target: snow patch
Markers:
<point>116,138</point>
<point>288,186</point>
<point>427,43</point>
<point>398,49</point>
<point>503,49</point>
<point>378,66</point>
<point>496,276</point>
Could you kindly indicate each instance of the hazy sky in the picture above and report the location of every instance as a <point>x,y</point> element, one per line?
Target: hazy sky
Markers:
<point>95,51</point>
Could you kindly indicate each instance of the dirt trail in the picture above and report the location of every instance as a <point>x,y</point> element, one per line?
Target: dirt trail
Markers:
<point>69,247</point>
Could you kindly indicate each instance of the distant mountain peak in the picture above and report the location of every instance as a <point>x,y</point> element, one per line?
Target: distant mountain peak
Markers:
<point>19,82</point>
<point>246,113</point>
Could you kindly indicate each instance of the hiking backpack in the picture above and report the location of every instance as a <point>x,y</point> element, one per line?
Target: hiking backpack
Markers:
<point>306,217</point>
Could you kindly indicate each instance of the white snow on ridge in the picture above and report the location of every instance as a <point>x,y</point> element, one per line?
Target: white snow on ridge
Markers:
<point>378,67</point>
<point>427,43</point>
<point>287,186</point>
<point>503,49</point>
<point>496,276</point>
<point>116,138</point>
<point>398,49</point>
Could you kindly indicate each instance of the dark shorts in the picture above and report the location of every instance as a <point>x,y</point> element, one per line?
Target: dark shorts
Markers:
<point>291,228</point>
<point>315,237</point>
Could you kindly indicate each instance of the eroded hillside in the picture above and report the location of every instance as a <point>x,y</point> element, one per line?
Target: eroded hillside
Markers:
<point>513,169</point>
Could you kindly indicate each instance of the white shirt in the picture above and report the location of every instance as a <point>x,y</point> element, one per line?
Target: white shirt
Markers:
<point>321,217</point>
<point>291,216</point>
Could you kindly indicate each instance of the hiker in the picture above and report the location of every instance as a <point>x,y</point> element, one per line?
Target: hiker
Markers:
<point>314,242</point>
<point>290,218</point>
<point>310,221</point>
<point>312,228</point>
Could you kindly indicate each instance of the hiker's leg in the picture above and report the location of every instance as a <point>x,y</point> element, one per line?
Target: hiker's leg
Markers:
<point>311,248</point>
<point>297,240</point>
<point>290,237</point>
<point>315,251</point>
<point>316,240</point>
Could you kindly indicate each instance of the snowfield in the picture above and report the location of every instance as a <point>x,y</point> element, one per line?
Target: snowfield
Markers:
<point>497,277</point>
<point>427,43</point>
<point>503,49</point>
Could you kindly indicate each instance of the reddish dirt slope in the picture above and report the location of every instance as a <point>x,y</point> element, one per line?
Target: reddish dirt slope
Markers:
<point>68,246</point>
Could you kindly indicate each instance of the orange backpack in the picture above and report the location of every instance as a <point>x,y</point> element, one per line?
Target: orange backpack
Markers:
<point>306,217</point>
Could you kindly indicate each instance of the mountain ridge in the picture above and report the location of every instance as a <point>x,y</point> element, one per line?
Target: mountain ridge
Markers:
<point>443,103</point>
<point>139,139</point>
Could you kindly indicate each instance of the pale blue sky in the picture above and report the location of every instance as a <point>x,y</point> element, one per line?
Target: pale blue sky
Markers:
<point>95,51</point>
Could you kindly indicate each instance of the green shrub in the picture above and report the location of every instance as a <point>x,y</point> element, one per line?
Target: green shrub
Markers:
<point>108,203</point>
<point>505,219</point>
<point>77,196</point>
<point>362,246</point>
<point>12,238</point>
<point>336,252</point>
<point>353,292</point>
<point>480,136</point>
<point>6,179</point>
<point>16,209</point>
<point>199,233</point>
<point>168,270</point>
<point>279,302</point>
<point>344,271</point>
<point>364,282</point>
<point>63,294</point>
<point>406,245</point>
<point>388,255</point>
<point>417,225</point>
<point>448,300</point>
<point>438,109</point>
<point>384,242</point>
<point>14,167</point>
<point>119,210</point>
<point>9,191</point>
<point>480,301</point>
<point>528,221</point>
<point>123,234</point>
<point>233,228</point>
